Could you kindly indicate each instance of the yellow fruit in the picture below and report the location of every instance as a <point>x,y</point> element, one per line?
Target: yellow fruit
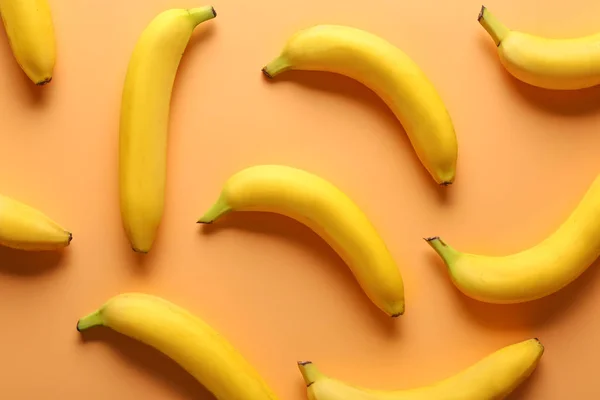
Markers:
<point>30,31</point>
<point>186,339</point>
<point>535,272</point>
<point>25,228</point>
<point>145,119</point>
<point>492,378</point>
<point>321,206</point>
<point>388,72</point>
<point>551,63</point>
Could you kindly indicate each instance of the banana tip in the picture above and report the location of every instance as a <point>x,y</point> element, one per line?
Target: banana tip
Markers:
<point>44,82</point>
<point>481,13</point>
<point>138,250</point>
<point>301,363</point>
<point>78,330</point>
<point>446,183</point>
<point>266,73</point>
<point>213,11</point>
<point>431,238</point>
<point>70,238</point>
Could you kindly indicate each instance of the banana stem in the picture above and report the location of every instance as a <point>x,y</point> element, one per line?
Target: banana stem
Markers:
<point>275,67</point>
<point>448,254</point>
<point>89,321</point>
<point>202,14</point>
<point>496,29</point>
<point>217,210</point>
<point>309,372</point>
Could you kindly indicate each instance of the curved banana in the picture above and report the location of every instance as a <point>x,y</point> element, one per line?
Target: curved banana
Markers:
<point>24,228</point>
<point>186,339</point>
<point>492,378</point>
<point>30,31</point>
<point>145,119</point>
<point>550,63</point>
<point>536,272</point>
<point>321,206</point>
<point>391,74</point>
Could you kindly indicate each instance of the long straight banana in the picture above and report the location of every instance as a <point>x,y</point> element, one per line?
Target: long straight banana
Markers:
<point>492,378</point>
<point>550,63</point>
<point>325,209</point>
<point>391,74</point>
<point>30,31</point>
<point>535,272</point>
<point>186,339</point>
<point>23,227</point>
<point>145,119</point>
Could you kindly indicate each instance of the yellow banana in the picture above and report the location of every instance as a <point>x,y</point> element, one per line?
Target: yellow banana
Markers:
<point>492,378</point>
<point>145,119</point>
<point>25,228</point>
<point>30,31</point>
<point>536,272</point>
<point>388,72</point>
<point>550,63</point>
<point>184,338</point>
<point>325,209</point>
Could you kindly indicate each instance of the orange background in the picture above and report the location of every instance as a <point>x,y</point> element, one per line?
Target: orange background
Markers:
<point>267,283</point>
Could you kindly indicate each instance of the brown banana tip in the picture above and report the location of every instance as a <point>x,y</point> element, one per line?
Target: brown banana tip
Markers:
<point>304,362</point>
<point>204,222</point>
<point>310,384</point>
<point>213,11</point>
<point>44,82</point>
<point>78,330</point>
<point>446,183</point>
<point>397,314</point>
<point>481,13</point>
<point>432,238</point>
<point>539,343</point>
<point>266,73</point>
<point>70,238</point>
<point>139,251</point>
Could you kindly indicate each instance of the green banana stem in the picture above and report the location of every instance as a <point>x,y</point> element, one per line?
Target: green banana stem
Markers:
<point>496,29</point>
<point>215,212</point>
<point>202,14</point>
<point>275,67</point>
<point>309,372</point>
<point>89,321</point>
<point>448,254</point>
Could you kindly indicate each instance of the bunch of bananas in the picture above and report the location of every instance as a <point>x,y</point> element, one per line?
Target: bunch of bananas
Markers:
<point>560,64</point>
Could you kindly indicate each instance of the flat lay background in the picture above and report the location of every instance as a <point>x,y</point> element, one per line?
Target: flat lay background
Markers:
<point>270,285</point>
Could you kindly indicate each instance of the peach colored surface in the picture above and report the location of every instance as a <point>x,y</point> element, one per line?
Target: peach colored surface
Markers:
<point>267,283</point>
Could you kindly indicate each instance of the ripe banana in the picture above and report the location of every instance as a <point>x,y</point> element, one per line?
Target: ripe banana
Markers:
<point>186,339</point>
<point>25,228</point>
<point>536,272</point>
<point>550,63</point>
<point>325,209</point>
<point>145,119</point>
<point>30,31</point>
<point>388,72</point>
<point>492,378</point>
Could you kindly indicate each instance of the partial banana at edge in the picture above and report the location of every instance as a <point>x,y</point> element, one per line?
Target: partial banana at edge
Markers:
<point>550,63</point>
<point>23,227</point>
<point>492,378</point>
<point>535,272</point>
<point>329,212</point>
<point>30,32</point>
<point>186,339</point>
<point>144,122</point>
<point>391,74</point>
